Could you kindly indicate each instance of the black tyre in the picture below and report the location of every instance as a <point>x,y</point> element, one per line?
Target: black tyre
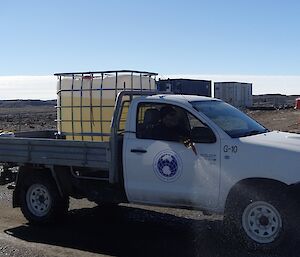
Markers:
<point>259,219</point>
<point>41,202</point>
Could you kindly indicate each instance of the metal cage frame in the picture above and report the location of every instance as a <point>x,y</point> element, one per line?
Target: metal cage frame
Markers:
<point>92,75</point>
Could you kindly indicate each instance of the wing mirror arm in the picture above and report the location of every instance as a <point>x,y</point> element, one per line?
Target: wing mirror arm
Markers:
<point>188,143</point>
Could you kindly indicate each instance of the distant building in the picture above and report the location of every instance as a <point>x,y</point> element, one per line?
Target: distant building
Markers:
<point>274,100</point>
<point>185,86</point>
<point>238,94</point>
<point>269,100</point>
<point>291,99</point>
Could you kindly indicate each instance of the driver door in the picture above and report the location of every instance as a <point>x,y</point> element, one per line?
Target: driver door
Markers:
<point>160,169</point>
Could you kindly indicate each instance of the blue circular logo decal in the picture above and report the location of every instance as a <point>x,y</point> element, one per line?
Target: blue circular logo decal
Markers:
<point>167,166</point>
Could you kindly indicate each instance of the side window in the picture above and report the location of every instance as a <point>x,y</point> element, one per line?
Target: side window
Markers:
<point>124,113</point>
<point>194,122</point>
<point>162,122</point>
<point>170,123</point>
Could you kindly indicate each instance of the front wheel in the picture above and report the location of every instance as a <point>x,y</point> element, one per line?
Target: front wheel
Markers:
<point>40,200</point>
<point>259,219</point>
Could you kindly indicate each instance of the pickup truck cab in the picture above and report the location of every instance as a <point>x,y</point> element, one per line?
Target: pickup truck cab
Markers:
<point>214,158</point>
<point>175,150</point>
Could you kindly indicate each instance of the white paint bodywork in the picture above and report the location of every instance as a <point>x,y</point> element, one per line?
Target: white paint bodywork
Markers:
<point>206,178</point>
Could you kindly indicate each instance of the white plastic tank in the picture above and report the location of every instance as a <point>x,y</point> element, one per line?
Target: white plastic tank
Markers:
<point>86,101</point>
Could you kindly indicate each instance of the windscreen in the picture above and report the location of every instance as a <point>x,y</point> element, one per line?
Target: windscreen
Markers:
<point>234,122</point>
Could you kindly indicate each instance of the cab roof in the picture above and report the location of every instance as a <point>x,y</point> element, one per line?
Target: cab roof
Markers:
<point>180,98</point>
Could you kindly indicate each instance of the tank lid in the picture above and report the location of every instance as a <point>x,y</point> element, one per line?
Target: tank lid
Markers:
<point>143,73</point>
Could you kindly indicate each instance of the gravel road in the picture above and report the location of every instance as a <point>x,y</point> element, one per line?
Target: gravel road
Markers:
<point>125,230</point>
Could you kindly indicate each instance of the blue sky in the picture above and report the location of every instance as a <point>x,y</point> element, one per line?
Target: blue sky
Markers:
<point>229,37</point>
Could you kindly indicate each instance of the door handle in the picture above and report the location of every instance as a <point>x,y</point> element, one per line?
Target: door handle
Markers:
<point>138,151</point>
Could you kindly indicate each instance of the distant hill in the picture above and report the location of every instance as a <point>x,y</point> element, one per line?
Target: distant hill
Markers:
<point>25,103</point>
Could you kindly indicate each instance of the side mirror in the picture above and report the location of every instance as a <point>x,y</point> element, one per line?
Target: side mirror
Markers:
<point>203,135</point>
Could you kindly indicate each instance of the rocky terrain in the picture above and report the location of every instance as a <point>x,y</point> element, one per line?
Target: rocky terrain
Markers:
<point>25,115</point>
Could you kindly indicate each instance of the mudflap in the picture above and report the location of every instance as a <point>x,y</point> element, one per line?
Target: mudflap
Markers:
<point>7,175</point>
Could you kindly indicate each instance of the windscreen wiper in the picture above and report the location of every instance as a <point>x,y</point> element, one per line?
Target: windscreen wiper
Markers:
<point>254,132</point>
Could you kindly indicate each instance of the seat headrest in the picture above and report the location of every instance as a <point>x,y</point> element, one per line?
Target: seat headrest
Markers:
<point>152,116</point>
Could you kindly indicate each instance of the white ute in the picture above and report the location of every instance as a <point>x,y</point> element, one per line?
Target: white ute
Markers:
<point>176,150</point>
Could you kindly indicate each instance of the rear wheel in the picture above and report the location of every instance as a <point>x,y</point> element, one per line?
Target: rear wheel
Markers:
<point>41,201</point>
<point>38,200</point>
<point>259,219</point>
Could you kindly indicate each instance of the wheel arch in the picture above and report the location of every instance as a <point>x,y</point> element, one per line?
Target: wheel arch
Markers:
<point>251,191</point>
<point>243,185</point>
<point>56,174</point>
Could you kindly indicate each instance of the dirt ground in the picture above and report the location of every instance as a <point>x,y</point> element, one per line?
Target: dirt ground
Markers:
<point>27,118</point>
<point>283,120</point>
<point>126,230</point>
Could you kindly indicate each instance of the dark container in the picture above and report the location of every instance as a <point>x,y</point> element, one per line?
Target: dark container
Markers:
<point>185,86</point>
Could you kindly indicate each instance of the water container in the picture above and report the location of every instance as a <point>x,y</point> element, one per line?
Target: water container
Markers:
<point>297,105</point>
<point>86,101</point>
